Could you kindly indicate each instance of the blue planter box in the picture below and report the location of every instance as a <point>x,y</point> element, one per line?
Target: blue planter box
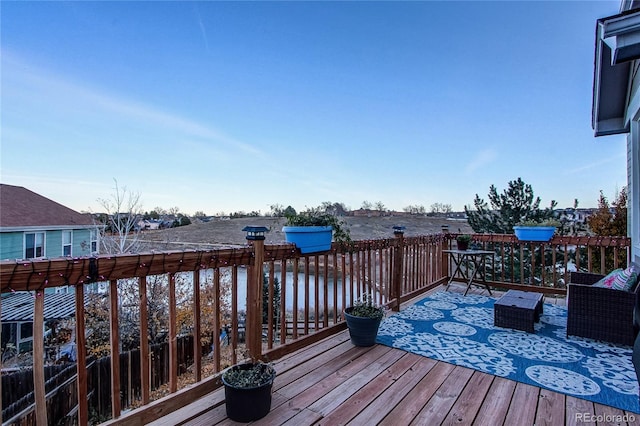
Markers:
<point>309,239</point>
<point>534,233</point>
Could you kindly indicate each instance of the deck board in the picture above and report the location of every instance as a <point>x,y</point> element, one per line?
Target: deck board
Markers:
<point>524,404</point>
<point>551,408</point>
<point>334,383</point>
<point>443,399</point>
<point>385,391</point>
<point>496,402</point>
<point>466,408</point>
<point>416,397</point>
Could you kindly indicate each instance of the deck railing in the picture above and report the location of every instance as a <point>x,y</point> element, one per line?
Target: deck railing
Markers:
<point>546,266</point>
<point>223,291</point>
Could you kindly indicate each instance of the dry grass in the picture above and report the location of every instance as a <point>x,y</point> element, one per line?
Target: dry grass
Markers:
<point>228,233</point>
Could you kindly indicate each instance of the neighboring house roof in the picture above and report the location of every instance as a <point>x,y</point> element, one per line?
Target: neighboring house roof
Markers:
<point>616,47</point>
<point>21,208</point>
<point>19,306</point>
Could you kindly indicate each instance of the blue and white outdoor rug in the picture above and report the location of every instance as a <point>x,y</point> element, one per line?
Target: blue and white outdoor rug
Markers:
<point>459,330</point>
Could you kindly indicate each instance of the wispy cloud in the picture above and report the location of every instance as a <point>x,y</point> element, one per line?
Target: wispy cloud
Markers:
<point>481,159</point>
<point>42,85</point>
<point>203,30</point>
<point>595,164</point>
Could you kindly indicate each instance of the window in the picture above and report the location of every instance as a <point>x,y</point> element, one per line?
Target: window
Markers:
<point>34,245</point>
<point>26,330</point>
<point>66,243</point>
<point>94,241</point>
<point>25,337</point>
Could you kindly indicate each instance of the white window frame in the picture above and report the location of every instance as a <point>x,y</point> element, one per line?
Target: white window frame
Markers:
<point>68,244</point>
<point>95,241</point>
<point>633,178</point>
<point>44,244</point>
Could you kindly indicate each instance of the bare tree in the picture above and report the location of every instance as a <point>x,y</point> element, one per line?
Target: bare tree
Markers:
<point>437,208</point>
<point>160,211</point>
<point>414,209</point>
<point>380,206</point>
<point>119,230</point>
<point>335,208</point>
<point>276,210</point>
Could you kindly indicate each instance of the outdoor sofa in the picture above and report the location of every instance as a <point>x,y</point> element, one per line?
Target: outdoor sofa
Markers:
<point>601,313</point>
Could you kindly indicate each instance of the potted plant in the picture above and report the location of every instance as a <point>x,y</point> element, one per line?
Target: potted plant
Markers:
<point>312,230</point>
<point>247,390</point>
<point>533,230</point>
<point>463,241</point>
<point>363,320</point>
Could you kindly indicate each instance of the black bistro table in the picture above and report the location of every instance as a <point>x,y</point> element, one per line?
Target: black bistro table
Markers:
<point>470,266</point>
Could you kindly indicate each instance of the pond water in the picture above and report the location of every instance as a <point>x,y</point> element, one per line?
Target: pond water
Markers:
<point>332,285</point>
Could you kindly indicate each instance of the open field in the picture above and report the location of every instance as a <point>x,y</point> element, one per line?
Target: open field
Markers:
<point>228,233</point>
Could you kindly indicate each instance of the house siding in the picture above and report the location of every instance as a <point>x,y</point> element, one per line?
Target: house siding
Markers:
<point>633,163</point>
<point>633,179</point>
<point>12,244</point>
<point>53,244</point>
<point>81,242</point>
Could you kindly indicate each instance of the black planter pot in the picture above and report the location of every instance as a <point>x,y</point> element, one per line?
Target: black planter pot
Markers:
<point>463,245</point>
<point>247,404</point>
<point>363,331</point>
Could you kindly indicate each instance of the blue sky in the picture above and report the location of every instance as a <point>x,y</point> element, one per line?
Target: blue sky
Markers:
<point>228,106</point>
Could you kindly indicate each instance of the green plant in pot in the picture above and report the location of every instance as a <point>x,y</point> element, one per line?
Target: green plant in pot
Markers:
<point>534,230</point>
<point>544,223</point>
<point>363,320</point>
<point>313,230</point>
<point>463,241</point>
<point>247,390</point>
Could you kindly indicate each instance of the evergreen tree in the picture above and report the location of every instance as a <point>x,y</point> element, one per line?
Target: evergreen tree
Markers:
<point>516,204</point>
<point>607,221</point>
<point>289,211</point>
<point>275,301</point>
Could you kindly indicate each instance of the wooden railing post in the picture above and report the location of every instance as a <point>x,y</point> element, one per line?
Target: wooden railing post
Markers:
<point>81,357</point>
<point>446,268</point>
<point>114,337</point>
<point>40,398</point>
<point>398,266</point>
<point>255,235</point>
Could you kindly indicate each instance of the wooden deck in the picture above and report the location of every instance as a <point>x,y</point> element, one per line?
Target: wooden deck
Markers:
<point>334,382</point>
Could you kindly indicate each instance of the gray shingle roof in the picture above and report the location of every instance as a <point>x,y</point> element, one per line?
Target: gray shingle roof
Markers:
<point>19,306</point>
<point>20,207</point>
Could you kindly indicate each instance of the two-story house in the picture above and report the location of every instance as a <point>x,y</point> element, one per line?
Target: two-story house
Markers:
<point>616,97</point>
<point>35,227</point>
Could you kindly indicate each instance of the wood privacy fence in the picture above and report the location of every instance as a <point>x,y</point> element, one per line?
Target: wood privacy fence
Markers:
<point>61,384</point>
<point>17,393</point>
<point>314,289</point>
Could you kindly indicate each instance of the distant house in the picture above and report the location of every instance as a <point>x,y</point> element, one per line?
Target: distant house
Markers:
<point>35,227</point>
<point>17,316</point>
<point>367,213</point>
<point>149,224</point>
<point>574,216</point>
<point>616,97</point>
